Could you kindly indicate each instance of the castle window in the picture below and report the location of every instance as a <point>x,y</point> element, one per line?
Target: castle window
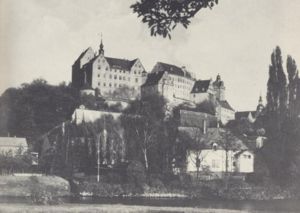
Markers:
<point>124,78</point>
<point>116,85</point>
<point>98,83</point>
<point>120,77</point>
<point>134,72</point>
<point>99,67</point>
<point>98,75</point>
<point>109,84</point>
<point>104,84</point>
<point>136,80</point>
<point>106,68</point>
<point>110,76</point>
<point>115,77</point>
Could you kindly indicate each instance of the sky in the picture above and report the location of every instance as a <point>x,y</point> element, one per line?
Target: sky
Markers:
<point>43,38</point>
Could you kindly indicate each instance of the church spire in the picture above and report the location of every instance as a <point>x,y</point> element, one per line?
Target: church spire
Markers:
<point>101,47</point>
<point>260,101</point>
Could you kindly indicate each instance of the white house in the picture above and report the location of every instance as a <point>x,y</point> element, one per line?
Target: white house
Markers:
<point>220,151</point>
<point>13,144</point>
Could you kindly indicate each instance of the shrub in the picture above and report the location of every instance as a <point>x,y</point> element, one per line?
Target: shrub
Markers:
<point>42,194</point>
<point>136,173</point>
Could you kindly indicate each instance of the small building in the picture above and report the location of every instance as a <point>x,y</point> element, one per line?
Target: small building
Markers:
<point>82,115</point>
<point>13,144</point>
<point>220,152</point>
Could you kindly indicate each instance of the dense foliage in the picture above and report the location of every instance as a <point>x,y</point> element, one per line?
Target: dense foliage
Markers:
<point>162,16</point>
<point>35,108</point>
<point>281,120</point>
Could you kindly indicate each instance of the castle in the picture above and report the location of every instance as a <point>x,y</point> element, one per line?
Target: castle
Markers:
<point>96,74</point>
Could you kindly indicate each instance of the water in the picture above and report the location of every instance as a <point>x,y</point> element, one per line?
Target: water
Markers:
<point>268,206</point>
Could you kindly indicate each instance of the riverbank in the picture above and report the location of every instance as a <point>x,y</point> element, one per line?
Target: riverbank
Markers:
<point>23,186</point>
<point>217,189</point>
<point>66,208</point>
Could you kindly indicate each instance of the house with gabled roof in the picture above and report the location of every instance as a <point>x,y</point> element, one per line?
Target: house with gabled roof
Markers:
<point>218,152</point>
<point>13,145</point>
<point>96,72</point>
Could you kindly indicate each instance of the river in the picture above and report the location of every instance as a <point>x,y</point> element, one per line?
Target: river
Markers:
<point>267,206</point>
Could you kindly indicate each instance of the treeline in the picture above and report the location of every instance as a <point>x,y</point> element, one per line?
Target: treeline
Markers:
<point>281,120</point>
<point>33,109</point>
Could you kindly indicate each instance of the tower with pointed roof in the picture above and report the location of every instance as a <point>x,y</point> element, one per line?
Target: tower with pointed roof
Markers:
<point>101,47</point>
<point>260,107</point>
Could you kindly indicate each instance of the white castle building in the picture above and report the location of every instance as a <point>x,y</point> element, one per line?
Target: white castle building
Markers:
<point>94,73</point>
<point>178,86</point>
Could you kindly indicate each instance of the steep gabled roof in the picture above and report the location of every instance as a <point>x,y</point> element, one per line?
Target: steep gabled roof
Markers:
<point>153,78</point>
<point>225,105</point>
<point>82,54</point>
<point>224,138</point>
<point>201,86</point>
<point>120,63</point>
<point>173,69</point>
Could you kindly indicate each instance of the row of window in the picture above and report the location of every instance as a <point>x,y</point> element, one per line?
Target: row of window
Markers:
<point>104,84</point>
<point>116,70</point>
<point>119,77</point>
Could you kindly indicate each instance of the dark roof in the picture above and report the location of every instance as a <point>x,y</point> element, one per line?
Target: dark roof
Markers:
<point>220,136</point>
<point>81,55</point>
<point>225,105</point>
<point>244,114</point>
<point>153,78</point>
<point>120,63</point>
<point>200,86</point>
<point>173,69</point>
<point>190,118</point>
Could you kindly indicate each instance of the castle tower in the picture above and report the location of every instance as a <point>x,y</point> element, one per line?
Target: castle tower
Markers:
<point>219,88</point>
<point>260,106</point>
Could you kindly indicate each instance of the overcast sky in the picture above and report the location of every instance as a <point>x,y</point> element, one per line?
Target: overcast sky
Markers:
<point>42,38</point>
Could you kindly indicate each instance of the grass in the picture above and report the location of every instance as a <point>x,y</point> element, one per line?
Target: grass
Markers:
<point>19,186</point>
<point>78,208</point>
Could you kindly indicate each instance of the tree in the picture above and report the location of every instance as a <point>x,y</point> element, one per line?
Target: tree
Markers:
<point>292,86</point>
<point>162,16</point>
<point>143,124</point>
<point>35,108</point>
<point>276,93</point>
<point>197,144</point>
<point>207,106</point>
